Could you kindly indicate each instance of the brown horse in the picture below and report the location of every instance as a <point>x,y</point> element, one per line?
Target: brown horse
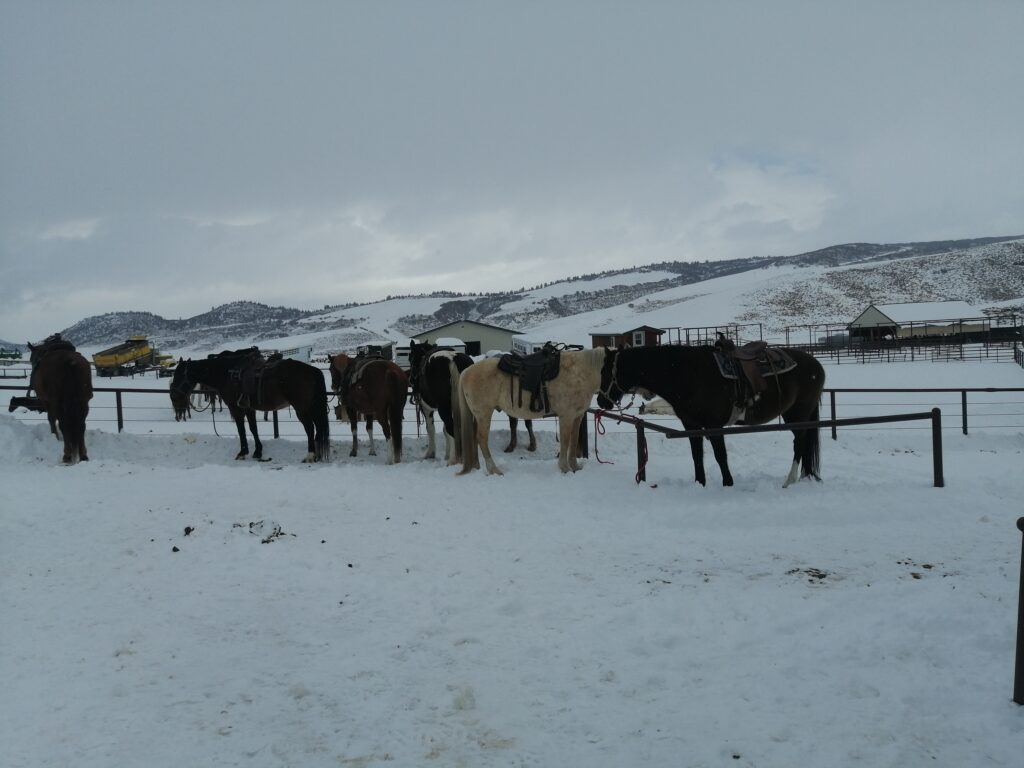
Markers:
<point>246,385</point>
<point>374,388</point>
<point>62,381</point>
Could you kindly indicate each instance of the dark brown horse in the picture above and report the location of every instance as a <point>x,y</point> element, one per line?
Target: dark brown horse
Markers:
<point>691,380</point>
<point>373,388</point>
<point>247,383</point>
<point>434,377</point>
<point>62,381</point>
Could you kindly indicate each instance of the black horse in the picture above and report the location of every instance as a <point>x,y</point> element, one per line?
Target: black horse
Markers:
<point>434,376</point>
<point>707,388</point>
<point>247,383</point>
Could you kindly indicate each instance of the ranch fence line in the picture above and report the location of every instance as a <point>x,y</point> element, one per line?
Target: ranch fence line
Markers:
<point>1018,673</point>
<point>1011,411</point>
<point>916,351</point>
<point>935,416</point>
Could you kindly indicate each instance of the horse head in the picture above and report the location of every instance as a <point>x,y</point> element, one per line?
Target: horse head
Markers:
<point>339,367</point>
<point>610,393</point>
<point>181,390</point>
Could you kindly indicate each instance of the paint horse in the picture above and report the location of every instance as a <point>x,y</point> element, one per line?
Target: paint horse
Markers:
<point>434,377</point>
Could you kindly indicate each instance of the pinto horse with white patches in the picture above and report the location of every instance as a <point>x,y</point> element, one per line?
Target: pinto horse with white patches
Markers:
<point>434,376</point>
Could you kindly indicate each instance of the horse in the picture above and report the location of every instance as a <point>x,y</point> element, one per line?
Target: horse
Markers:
<point>374,388</point>
<point>434,376</point>
<point>62,381</point>
<point>690,380</point>
<point>484,388</point>
<point>246,384</point>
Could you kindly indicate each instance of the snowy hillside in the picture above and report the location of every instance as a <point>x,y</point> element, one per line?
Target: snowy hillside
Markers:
<point>828,286</point>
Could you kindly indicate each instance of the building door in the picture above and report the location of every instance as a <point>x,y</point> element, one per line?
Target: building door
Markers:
<point>472,348</point>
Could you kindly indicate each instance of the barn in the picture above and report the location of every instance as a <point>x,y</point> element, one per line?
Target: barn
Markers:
<point>478,337</point>
<point>644,336</point>
<point>917,320</point>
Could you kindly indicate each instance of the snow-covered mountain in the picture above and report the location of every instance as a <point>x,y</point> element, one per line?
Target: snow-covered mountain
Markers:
<point>831,285</point>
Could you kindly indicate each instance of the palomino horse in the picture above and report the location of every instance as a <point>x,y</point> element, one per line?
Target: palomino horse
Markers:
<point>246,384</point>
<point>62,381</point>
<point>434,377</point>
<point>374,388</point>
<point>691,380</point>
<point>484,388</point>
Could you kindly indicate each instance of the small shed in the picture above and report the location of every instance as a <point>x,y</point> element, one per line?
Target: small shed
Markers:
<point>918,319</point>
<point>644,336</point>
<point>476,336</point>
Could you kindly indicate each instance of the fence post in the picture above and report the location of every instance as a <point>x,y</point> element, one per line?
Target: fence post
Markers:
<point>832,398</point>
<point>277,432</point>
<point>641,465</point>
<point>937,447</point>
<point>120,411</point>
<point>963,407</point>
<point>582,446</point>
<point>1018,676</point>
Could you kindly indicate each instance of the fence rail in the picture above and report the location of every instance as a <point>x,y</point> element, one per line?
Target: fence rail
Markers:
<point>935,416</point>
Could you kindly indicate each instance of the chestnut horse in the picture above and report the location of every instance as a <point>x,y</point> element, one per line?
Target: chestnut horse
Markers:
<point>434,377</point>
<point>484,388</point>
<point>374,388</point>
<point>62,381</point>
<point>246,384</point>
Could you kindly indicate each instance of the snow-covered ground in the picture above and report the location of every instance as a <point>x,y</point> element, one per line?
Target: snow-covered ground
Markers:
<point>400,615</point>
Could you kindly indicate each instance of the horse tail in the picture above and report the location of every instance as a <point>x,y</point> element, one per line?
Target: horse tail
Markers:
<point>453,382</point>
<point>467,421</point>
<point>73,408</point>
<point>810,449</point>
<point>321,419</point>
<point>396,410</point>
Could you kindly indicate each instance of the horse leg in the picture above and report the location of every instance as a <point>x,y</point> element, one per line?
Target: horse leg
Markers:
<point>428,420</point>
<point>389,445</point>
<point>568,430</point>
<point>533,438</point>
<point>697,451</point>
<point>243,441</point>
<point>513,426</point>
<point>369,433</point>
<point>258,452</point>
<point>307,424</point>
<point>483,432</point>
<point>806,448</point>
<point>718,446</point>
<point>353,421</point>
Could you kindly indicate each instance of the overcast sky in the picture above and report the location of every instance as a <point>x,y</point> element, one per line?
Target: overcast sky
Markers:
<point>172,156</point>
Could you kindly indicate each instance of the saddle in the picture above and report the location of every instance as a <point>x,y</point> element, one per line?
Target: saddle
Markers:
<point>51,343</point>
<point>533,371</point>
<point>250,373</point>
<point>752,364</point>
<point>356,367</point>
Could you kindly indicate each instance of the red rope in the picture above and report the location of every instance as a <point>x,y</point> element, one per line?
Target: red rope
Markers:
<point>599,429</point>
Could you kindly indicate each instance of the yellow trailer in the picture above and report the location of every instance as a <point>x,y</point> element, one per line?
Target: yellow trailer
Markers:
<point>123,359</point>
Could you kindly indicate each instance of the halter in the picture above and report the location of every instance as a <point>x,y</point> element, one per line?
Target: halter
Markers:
<point>614,382</point>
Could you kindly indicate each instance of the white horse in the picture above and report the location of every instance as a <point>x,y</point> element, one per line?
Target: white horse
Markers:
<point>483,388</point>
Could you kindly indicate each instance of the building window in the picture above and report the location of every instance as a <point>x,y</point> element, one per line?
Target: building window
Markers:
<point>638,338</point>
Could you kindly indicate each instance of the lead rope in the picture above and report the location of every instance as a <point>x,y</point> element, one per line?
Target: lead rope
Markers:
<point>599,429</point>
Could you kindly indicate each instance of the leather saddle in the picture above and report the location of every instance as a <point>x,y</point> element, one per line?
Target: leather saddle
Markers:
<point>252,368</point>
<point>532,371</point>
<point>753,363</point>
